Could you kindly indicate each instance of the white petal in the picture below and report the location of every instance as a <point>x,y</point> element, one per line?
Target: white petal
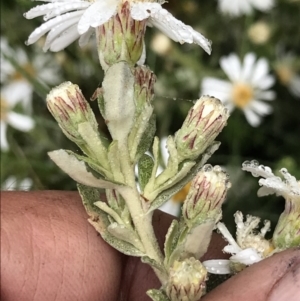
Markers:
<point>168,24</point>
<point>3,140</point>
<point>47,26</point>
<point>260,70</point>
<point>26,184</point>
<point>84,39</point>
<point>171,207</point>
<point>226,234</point>
<point>64,40</point>
<point>217,266</point>
<point>253,119</point>
<point>264,5</point>
<point>265,95</point>
<point>17,92</point>
<point>220,89</point>
<point>20,122</point>
<point>247,257</point>
<point>267,82</point>
<point>97,14</point>
<point>260,107</point>
<point>80,7</point>
<point>231,65</point>
<point>294,86</point>
<point>9,184</point>
<point>248,65</point>
<point>41,10</point>
<point>60,28</point>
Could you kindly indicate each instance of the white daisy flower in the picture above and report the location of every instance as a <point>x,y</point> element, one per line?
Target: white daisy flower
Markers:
<point>18,121</point>
<point>248,85</point>
<point>237,8</point>
<point>249,247</point>
<point>11,183</point>
<point>69,20</point>
<point>42,67</point>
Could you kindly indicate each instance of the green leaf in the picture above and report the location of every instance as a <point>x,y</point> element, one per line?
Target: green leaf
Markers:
<point>145,167</point>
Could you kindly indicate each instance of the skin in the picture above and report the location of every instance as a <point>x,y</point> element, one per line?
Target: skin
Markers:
<point>50,252</point>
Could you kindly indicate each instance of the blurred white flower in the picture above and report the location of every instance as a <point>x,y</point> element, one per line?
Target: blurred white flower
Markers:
<point>69,20</point>
<point>9,98</point>
<point>249,247</point>
<point>41,67</point>
<point>11,183</point>
<point>237,8</point>
<point>285,68</point>
<point>248,85</point>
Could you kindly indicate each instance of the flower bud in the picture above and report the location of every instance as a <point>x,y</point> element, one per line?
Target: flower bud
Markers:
<point>121,38</point>
<point>207,193</point>
<point>143,87</point>
<point>287,231</point>
<point>69,107</point>
<point>186,280</point>
<point>204,122</point>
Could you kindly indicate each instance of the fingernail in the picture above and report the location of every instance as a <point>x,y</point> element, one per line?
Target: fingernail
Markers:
<point>288,287</point>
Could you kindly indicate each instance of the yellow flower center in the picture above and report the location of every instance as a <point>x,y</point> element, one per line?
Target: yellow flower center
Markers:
<point>28,68</point>
<point>242,94</point>
<point>181,194</point>
<point>3,108</point>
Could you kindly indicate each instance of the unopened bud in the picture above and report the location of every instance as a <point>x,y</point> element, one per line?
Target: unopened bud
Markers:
<point>207,193</point>
<point>121,38</point>
<point>69,107</point>
<point>143,87</point>
<point>204,122</point>
<point>186,280</point>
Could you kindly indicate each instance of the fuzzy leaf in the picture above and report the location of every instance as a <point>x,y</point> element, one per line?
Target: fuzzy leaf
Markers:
<point>153,263</point>
<point>104,207</point>
<point>114,161</point>
<point>171,241</point>
<point>157,295</point>
<point>78,170</point>
<point>147,137</point>
<point>89,196</point>
<point>100,221</point>
<point>139,129</point>
<point>128,235</point>
<point>169,192</point>
<point>145,167</point>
